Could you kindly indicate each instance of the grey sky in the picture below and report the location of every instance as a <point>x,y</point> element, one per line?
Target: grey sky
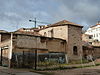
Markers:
<point>16,13</point>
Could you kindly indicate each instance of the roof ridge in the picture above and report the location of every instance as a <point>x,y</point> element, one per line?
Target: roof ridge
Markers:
<point>63,22</point>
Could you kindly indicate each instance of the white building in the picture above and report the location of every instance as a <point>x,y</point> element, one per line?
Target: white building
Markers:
<point>94,31</point>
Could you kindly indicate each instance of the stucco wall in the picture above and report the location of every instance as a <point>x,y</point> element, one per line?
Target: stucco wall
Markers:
<point>86,38</point>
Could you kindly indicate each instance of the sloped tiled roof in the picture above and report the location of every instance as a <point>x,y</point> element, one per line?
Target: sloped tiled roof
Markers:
<point>3,31</point>
<point>65,22</point>
<point>61,23</point>
<point>27,33</point>
<point>93,26</point>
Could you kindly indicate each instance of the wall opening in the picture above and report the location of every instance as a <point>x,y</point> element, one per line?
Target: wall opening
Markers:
<point>75,51</point>
<point>45,34</point>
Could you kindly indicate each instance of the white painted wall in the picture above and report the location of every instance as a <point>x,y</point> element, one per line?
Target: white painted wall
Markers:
<point>95,31</point>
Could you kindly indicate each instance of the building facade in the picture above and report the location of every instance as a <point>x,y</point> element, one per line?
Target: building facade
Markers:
<point>68,31</point>
<point>94,31</point>
<point>18,49</point>
<point>63,37</point>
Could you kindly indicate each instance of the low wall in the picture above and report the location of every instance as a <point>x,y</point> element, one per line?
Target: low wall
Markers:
<point>96,51</point>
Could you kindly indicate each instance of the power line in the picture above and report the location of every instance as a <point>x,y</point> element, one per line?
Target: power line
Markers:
<point>35,22</point>
<point>36,53</point>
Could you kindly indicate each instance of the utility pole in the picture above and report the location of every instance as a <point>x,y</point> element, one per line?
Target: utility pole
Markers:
<point>36,50</point>
<point>34,22</point>
<point>36,58</point>
<point>36,44</point>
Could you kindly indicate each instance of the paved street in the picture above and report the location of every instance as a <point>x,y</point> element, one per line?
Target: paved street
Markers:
<point>5,71</point>
<point>81,71</point>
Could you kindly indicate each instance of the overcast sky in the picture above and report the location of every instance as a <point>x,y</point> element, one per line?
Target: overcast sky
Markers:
<point>16,13</point>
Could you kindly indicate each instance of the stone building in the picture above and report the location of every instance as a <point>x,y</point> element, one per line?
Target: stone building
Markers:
<point>15,44</point>
<point>90,46</point>
<point>68,31</point>
<point>93,33</point>
<point>63,38</point>
<point>91,41</point>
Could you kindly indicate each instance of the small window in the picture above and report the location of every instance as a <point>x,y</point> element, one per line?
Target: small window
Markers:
<point>94,35</point>
<point>90,37</point>
<point>90,42</point>
<point>75,52</point>
<point>97,35</point>
<point>45,34</point>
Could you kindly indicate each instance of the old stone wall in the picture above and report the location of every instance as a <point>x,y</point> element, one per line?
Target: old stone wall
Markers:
<point>6,51</point>
<point>27,44</point>
<point>96,52</point>
<point>57,32</point>
<point>55,45</point>
<point>24,47</point>
<point>30,42</point>
<point>74,42</point>
<point>5,37</point>
<point>72,34</point>
<point>41,43</point>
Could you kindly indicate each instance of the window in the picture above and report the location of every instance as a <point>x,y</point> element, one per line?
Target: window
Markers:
<point>94,35</point>
<point>90,42</point>
<point>97,35</point>
<point>45,34</point>
<point>75,50</point>
<point>50,33</point>
<point>90,37</point>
